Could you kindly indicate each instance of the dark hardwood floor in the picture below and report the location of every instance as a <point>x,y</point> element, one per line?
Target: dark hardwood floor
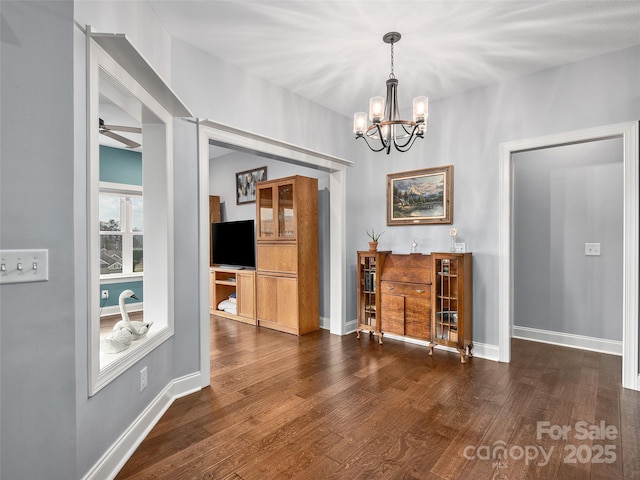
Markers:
<point>328,407</point>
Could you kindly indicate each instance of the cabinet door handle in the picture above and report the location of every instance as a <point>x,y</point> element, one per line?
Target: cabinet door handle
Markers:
<point>389,288</point>
<point>419,290</point>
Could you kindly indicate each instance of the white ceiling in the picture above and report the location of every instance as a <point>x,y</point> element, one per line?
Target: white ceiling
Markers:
<point>331,52</point>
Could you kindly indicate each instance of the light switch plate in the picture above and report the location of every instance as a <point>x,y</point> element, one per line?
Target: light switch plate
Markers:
<point>21,266</point>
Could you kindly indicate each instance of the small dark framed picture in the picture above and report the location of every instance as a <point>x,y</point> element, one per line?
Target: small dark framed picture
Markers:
<point>420,197</point>
<point>246,184</point>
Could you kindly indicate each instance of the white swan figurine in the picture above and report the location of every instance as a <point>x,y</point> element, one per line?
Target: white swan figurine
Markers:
<point>116,341</point>
<point>137,329</point>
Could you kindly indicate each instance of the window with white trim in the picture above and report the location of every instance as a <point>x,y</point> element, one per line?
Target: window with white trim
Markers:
<point>112,87</point>
<point>121,231</point>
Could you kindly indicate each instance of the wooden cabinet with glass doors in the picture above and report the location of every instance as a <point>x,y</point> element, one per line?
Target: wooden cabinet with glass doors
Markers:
<point>287,283</point>
<point>368,292</point>
<point>452,302</point>
<point>275,201</point>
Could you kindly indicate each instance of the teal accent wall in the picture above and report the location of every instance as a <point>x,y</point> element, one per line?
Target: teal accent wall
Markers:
<point>116,288</point>
<point>120,166</point>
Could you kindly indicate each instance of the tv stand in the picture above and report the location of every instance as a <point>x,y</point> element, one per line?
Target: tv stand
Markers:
<point>227,280</point>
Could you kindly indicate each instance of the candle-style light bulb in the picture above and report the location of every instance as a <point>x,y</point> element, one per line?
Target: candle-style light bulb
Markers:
<point>359,123</point>
<point>376,109</point>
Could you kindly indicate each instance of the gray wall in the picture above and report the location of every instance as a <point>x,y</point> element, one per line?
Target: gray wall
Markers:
<point>564,197</point>
<point>51,429</point>
<point>227,94</point>
<point>37,354</point>
<point>185,354</point>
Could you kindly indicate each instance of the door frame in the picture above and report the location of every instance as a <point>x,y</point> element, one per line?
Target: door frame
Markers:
<point>629,133</point>
<point>214,133</point>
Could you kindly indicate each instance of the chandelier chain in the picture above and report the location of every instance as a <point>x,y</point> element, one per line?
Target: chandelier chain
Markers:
<point>391,75</point>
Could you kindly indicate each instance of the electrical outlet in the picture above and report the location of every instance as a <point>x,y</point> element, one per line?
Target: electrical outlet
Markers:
<point>143,378</point>
<point>592,249</point>
<point>104,295</point>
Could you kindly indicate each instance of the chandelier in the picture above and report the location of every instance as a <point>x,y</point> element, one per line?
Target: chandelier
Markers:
<point>389,129</point>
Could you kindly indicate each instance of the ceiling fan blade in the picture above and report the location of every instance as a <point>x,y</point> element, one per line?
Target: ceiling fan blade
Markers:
<point>121,139</point>
<point>122,128</point>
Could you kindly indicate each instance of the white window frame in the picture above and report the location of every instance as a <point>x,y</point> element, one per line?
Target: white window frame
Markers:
<point>157,138</point>
<point>126,192</point>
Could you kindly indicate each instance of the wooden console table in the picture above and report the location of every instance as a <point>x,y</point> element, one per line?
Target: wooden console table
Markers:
<point>426,297</point>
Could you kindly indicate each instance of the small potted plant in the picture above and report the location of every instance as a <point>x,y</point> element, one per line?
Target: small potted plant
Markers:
<point>373,244</point>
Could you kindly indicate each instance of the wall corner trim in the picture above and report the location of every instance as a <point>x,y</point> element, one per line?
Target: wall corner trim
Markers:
<point>117,455</point>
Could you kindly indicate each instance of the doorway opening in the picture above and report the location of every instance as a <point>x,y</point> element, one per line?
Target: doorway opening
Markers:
<point>567,245</point>
<point>212,133</point>
<point>629,134</point>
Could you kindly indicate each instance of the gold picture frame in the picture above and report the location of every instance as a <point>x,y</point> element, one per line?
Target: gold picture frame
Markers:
<point>420,197</point>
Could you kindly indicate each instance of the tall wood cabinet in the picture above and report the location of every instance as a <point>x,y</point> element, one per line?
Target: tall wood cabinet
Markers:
<point>214,217</point>
<point>452,302</point>
<point>368,292</point>
<point>287,284</point>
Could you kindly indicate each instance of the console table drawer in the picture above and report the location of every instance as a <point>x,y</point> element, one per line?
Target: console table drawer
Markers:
<point>407,289</point>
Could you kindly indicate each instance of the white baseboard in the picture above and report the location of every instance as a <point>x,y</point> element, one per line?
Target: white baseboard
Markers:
<point>600,345</point>
<point>479,350</point>
<point>486,351</point>
<point>414,341</point>
<point>114,459</point>
<point>115,309</point>
<point>351,326</point>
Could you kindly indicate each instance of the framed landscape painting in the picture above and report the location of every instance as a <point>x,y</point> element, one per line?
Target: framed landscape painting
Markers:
<point>420,197</point>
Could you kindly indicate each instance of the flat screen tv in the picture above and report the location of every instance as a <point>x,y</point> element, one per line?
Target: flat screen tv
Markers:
<point>233,244</point>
